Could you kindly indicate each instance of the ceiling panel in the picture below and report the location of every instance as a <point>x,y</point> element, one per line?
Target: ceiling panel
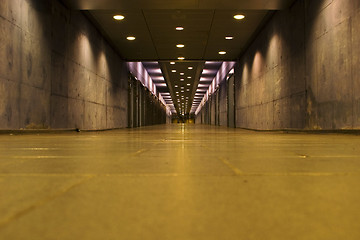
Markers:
<point>133,25</point>
<point>225,25</point>
<point>176,4</point>
<point>162,24</point>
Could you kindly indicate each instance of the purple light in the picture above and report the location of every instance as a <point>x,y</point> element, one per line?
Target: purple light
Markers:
<point>154,70</point>
<point>209,71</point>
<point>205,79</point>
<point>158,78</point>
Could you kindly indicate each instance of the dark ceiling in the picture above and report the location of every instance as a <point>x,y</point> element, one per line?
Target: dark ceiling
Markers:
<point>206,23</point>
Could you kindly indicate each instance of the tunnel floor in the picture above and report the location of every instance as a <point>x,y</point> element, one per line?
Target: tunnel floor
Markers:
<point>180,182</point>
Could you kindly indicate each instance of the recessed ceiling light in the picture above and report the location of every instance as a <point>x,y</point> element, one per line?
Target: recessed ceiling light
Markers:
<point>229,37</point>
<point>177,92</point>
<point>181,58</point>
<point>182,87</point>
<point>131,38</point>
<point>173,70</point>
<point>222,52</point>
<point>176,85</point>
<point>172,63</point>
<point>188,84</point>
<point>239,16</point>
<point>188,90</point>
<point>179,28</point>
<point>189,77</point>
<point>182,91</point>
<point>181,79</point>
<point>182,73</point>
<point>180,45</point>
<point>118,17</point>
<point>190,68</point>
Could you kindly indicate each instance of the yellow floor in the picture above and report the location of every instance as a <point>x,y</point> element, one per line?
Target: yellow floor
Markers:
<point>180,182</point>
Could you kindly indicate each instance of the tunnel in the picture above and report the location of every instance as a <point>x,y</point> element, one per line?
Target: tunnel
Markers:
<point>190,119</point>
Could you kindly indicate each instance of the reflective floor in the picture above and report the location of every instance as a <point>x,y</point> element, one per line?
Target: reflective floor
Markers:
<point>180,182</point>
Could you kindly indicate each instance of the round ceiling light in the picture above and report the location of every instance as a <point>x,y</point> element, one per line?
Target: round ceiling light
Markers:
<point>229,37</point>
<point>179,28</point>
<point>180,45</point>
<point>239,16</point>
<point>181,58</point>
<point>222,52</point>
<point>118,17</point>
<point>131,38</point>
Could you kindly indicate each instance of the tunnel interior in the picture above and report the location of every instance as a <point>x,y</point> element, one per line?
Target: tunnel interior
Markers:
<point>280,65</point>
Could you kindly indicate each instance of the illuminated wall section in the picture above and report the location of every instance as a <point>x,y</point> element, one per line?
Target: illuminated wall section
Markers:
<point>225,68</point>
<point>137,70</point>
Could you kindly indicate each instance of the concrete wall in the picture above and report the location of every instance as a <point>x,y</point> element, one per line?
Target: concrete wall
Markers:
<point>223,115</point>
<point>270,77</point>
<point>303,69</point>
<point>56,70</point>
<point>333,64</point>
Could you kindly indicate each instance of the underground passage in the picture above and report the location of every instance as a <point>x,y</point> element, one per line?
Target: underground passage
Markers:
<point>192,119</point>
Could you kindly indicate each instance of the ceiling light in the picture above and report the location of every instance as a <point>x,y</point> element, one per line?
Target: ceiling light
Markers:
<point>181,79</point>
<point>173,70</point>
<point>182,73</point>
<point>182,87</point>
<point>222,52</point>
<point>182,91</point>
<point>118,17</point>
<point>188,90</point>
<point>188,84</point>
<point>131,38</point>
<point>190,68</point>
<point>177,92</point>
<point>181,58</point>
<point>189,77</point>
<point>239,16</point>
<point>176,85</point>
<point>172,63</point>
<point>180,45</point>
<point>179,28</point>
<point>229,38</point>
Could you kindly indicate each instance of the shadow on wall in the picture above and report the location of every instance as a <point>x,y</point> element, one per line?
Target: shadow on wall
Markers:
<point>332,63</point>
<point>270,79</point>
<point>61,72</point>
<point>301,71</point>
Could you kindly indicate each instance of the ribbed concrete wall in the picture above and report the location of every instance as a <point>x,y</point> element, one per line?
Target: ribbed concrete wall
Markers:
<point>56,70</point>
<point>303,69</point>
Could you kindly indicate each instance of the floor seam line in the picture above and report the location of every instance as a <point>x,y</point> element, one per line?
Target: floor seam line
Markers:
<point>42,202</point>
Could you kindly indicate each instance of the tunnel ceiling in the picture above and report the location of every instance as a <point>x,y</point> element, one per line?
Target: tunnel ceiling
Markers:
<point>205,23</point>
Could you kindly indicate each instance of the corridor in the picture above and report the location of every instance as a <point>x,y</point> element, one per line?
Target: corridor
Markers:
<point>179,182</point>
